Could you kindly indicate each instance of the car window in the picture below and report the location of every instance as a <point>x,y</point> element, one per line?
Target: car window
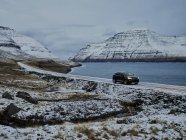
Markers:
<point>128,74</point>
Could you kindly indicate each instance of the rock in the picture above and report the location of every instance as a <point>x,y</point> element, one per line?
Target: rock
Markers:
<point>124,121</point>
<point>26,96</point>
<point>176,111</point>
<point>91,86</point>
<point>134,103</point>
<point>11,110</point>
<point>138,102</point>
<point>52,88</point>
<point>7,96</point>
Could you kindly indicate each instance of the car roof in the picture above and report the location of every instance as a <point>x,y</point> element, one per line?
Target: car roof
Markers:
<point>124,73</point>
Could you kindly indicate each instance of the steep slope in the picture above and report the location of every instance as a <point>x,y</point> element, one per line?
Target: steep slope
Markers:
<point>135,45</point>
<point>16,46</point>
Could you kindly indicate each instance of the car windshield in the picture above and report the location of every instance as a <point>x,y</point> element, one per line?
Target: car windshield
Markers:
<point>128,74</point>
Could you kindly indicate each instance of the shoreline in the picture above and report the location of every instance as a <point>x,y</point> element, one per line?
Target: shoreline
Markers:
<point>52,65</point>
<point>71,105</point>
<point>40,72</point>
<point>155,60</point>
<point>165,72</point>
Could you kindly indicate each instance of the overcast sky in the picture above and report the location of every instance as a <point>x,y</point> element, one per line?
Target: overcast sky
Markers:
<point>65,26</point>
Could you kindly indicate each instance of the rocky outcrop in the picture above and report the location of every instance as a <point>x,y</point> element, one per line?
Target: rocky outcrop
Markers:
<point>26,96</point>
<point>135,45</point>
<point>91,86</point>
<point>11,110</point>
<point>7,95</point>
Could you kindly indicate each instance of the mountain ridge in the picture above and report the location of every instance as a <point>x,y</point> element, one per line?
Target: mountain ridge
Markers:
<point>135,45</point>
<point>19,46</point>
<point>16,47</point>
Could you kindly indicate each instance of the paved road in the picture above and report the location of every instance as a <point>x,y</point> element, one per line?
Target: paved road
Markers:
<point>141,85</point>
<point>164,87</point>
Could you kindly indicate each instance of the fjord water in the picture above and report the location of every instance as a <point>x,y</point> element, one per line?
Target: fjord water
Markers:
<point>165,73</point>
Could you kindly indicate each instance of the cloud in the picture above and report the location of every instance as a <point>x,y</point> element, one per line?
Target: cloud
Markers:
<point>64,26</point>
<point>66,41</point>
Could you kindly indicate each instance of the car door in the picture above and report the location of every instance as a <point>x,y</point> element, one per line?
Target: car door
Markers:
<point>120,77</point>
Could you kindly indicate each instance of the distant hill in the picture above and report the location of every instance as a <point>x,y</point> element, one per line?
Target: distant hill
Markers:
<point>135,45</point>
<point>17,46</point>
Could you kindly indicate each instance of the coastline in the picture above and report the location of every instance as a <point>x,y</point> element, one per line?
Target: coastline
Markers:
<point>156,60</point>
<point>71,105</point>
<point>161,72</point>
<point>52,65</point>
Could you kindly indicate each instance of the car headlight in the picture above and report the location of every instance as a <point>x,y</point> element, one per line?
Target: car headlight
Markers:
<point>129,78</point>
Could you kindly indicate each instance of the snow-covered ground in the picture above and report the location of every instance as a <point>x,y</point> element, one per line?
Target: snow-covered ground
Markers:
<point>22,46</point>
<point>104,110</point>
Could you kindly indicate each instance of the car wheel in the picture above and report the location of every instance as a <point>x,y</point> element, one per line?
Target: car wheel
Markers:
<point>136,83</point>
<point>125,82</point>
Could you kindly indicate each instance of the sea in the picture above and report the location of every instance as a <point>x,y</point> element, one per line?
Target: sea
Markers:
<point>172,73</point>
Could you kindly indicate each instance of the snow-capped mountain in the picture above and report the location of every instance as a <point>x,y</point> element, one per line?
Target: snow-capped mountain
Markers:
<point>135,45</point>
<point>17,46</point>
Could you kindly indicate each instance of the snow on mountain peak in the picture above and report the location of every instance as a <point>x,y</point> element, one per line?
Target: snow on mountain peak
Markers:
<point>135,45</point>
<point>21,46</point>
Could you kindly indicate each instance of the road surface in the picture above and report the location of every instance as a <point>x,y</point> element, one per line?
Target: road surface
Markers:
<point>141,85</point>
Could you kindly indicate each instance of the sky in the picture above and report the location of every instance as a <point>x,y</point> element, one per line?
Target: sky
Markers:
<point>65,26</point>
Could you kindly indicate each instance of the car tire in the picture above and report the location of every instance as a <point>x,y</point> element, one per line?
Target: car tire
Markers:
<point>125,82</point>
<point>114,80</point>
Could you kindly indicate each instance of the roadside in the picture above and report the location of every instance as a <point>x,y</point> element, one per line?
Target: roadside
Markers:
<point>70,106</point>
<point>141,85</point>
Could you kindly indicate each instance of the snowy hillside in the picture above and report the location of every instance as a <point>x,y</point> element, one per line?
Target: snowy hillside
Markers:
<point>85,108</point>
<point>16,46</point>
<point>136,45</point>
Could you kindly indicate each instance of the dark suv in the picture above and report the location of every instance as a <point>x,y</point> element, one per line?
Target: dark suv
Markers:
<point>125,78</point>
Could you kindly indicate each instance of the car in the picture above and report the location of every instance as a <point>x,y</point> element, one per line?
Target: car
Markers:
<point>125,78</point>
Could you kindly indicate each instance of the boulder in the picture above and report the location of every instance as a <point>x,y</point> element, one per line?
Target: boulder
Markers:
<point>26,96</point>
<point>7,96</point>
<point>138,102</point>
<point>91,86</point>
<point>11,110</point>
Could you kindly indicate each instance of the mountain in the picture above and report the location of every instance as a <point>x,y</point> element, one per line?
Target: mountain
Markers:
<point>135,45</point>
<point>16,46</point>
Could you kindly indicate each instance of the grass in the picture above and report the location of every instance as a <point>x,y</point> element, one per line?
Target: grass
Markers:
<point>106,136</point>
<point>111,132</point>
<point>50,65</point>
<point>88,132</point>
<point>3,136</point>
<point>11,75</point>
<point>75,97</point>
<point>130,132</point>
<point>60,135</point>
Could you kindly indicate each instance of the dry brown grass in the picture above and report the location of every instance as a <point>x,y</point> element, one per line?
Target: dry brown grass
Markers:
<point>111,132</point>
<point>11,75</point>
<point>130,132</point>
<point>49,65</point>
<point>105,135</point>
<point>59,136</point>
<point>88,132</point>
<point>154,130</point>
<point>81,97</point>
